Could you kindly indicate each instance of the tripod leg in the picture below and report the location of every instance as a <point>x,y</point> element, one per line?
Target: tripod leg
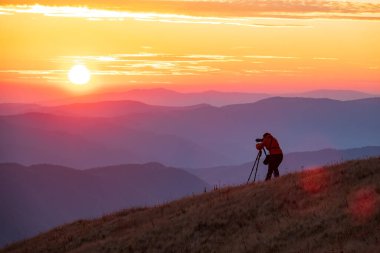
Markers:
<point>250,174</point>
<point>256,163</point>
<point>257,166</point>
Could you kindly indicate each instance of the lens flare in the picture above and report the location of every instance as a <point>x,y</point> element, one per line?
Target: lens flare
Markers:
<point>364,204</point>
<point>314,180</point>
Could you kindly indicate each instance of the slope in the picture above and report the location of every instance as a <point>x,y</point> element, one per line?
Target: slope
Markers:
<point>297,161</point>
<point>334,209</point>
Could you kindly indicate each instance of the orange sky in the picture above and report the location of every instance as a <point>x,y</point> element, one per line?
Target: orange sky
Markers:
<point>255,45</point>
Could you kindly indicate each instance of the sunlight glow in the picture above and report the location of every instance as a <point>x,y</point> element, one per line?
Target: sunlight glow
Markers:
<point>79,74</point>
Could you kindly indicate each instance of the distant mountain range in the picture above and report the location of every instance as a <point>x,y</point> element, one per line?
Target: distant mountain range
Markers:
<point>293,162</point>
<point>103,133</point>
<point>36,198</point>
<point>165,97</point>
<point>157,96</point>
<point>342,95</point>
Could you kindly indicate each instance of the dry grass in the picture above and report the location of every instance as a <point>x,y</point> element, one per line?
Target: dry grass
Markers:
<point>334,209</point>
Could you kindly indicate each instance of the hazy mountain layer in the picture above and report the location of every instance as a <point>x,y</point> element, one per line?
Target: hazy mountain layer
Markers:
<point>36,198</point>
<point>191,137</point>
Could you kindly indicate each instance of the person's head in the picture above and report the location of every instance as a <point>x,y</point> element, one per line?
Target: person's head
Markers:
<point>266,135</point>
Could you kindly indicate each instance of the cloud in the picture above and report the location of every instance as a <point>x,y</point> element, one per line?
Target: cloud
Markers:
<point>270,57</point>
<point>126,64</point>
<point>157,64</point>
<point>46,74</point>
<point>138,58</point>
<point>350,9</point>
<point>144,65</point>
<point>325,58</point>
<point>121,15</point>
<point>141,64</point>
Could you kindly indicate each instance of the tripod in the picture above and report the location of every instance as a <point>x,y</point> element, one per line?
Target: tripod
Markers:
<point>255,166</point>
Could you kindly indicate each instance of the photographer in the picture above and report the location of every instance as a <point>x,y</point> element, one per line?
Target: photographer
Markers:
<point>275,156</point>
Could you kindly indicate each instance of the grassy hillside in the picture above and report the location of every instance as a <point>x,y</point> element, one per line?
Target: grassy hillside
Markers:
<point>237,174</point>
<point>333,209</point>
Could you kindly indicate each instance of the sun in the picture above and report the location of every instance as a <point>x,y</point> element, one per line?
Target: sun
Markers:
<point>79,74</point>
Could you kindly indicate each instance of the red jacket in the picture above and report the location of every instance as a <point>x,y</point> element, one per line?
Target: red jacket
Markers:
<point>271,144</point>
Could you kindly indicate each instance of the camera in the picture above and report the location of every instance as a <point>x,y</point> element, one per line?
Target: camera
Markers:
<point>259,140</point>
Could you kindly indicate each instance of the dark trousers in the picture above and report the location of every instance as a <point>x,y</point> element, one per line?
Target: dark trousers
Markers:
<point>274,162</point>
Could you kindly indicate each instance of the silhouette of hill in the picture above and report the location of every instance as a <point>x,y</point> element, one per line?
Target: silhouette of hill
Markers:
<point>51,95</point>
<point>333,209</point>
<point>115,108</point>
<point>18,108</point>
<point>165,97</point>
<point>191,137</point>
<point>36,198</point>
<point>297,161</point>
<point>299,124</point>
<point>93,109</point>
<point>87,142</point>
<point>335,94</point>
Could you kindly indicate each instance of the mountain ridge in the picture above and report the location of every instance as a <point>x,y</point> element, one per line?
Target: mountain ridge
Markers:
<point>163,96</point>
<point>167,97</point>
<point>198,136</point>
<point>38,197</point>
<point>71,109</point>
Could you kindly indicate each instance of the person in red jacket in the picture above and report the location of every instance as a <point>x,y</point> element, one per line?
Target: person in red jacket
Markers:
<point>275,154</point>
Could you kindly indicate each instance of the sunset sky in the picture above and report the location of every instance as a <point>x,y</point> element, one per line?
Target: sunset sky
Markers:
<point>192,45</point>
